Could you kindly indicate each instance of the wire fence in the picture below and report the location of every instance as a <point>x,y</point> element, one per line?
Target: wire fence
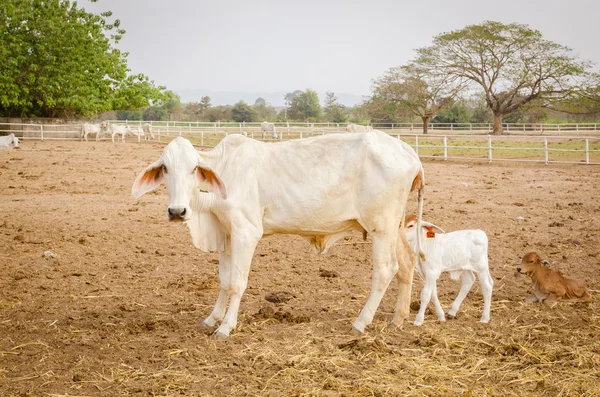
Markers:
<point>574,147</point>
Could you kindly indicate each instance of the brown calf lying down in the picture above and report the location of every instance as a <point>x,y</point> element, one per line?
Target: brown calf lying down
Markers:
<point>550,285</point>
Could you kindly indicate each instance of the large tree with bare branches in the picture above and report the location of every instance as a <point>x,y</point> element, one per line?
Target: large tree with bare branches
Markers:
<point>513,64</point>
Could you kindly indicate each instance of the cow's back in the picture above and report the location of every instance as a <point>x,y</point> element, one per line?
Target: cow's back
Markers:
<point>317,184</point>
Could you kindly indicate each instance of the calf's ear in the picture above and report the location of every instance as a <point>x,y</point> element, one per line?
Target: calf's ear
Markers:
<point>206,174</point>
<point>427,225</point>
<point>147,180</point>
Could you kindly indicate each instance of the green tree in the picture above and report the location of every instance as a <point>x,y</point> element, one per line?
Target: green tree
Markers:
<point>241,112</point>
<point>57,60</point>
<point>334,112</point>
<point>305,107</point>
<point>513,65</point>
<point>263,111</point>
<point>459,112</point>
<point>129,114</point>
<point>413,91</point>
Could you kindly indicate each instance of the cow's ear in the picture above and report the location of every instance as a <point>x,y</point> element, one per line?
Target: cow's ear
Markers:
<point>148,180</point>
<point>213,182</point>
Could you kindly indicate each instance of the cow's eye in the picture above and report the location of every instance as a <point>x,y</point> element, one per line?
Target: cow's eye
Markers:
<point>194,170</point>
<point>163,168</point>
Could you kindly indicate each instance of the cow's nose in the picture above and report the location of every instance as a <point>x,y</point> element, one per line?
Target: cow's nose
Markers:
<point>519,269</point>
<point>176,213</point>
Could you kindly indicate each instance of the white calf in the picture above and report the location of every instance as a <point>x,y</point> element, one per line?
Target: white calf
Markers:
<point>462,253</point>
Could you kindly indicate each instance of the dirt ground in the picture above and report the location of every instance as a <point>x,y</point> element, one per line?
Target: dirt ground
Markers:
<point>116,312</point>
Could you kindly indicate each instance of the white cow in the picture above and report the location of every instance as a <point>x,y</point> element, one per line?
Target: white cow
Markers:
<point>462,253</point>
<point>93,129</point>
<point>330,186</point>
<point>358,128</point>
<point>268,129</point>
<point>9,141</point>
<point>147,128</point>
<point>117,129</point>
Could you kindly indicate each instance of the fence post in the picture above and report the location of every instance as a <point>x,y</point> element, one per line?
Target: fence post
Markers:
<point>179,131</point>
<point>489,148</point>
<point>577,128</point>
<point>416,144</point>
<point>587,151</point>
<point>202,138</point>
<point>545,150</point>
<point>42,131</point>
<point>300,134</point>
<point>445,147</point>
<point>451,127</point>
<point>288,125</point>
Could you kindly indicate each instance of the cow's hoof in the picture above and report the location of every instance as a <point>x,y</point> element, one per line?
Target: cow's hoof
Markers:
<point>220,335</point>
<point>356,332</point>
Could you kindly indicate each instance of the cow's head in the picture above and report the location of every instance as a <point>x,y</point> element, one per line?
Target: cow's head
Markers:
<point>15,142</point>
<point>182,169</point>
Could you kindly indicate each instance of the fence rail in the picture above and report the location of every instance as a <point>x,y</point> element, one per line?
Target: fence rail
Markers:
<point>514,128</point>
<point>555,148</point>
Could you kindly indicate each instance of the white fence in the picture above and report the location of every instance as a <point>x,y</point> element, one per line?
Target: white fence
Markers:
<point>573,147</point>
<point>512,128</point>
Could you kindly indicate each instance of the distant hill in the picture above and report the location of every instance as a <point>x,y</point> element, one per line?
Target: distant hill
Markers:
<point>275,99</point>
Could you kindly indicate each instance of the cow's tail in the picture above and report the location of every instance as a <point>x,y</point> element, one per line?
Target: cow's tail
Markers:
<point>420,179</point>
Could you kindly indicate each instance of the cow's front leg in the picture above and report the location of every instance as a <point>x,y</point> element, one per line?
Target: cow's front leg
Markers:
<point>385,267</point>
<point>224,290</point>
<point>242,249</point>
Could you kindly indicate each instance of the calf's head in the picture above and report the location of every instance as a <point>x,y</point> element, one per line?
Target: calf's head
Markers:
<point>530,262</point>
<point>182,169</point>
<point>410,226</point>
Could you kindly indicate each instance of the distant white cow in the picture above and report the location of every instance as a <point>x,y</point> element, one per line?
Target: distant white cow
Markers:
<point>9,141</point>
<point>268,129</point>
<point>147,128</point>
<point>117,129</point>
<point>93,129</point>
<point>358,128</point>
<point>354,182</point>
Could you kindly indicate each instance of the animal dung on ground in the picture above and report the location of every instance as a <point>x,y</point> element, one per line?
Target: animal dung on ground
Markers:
<point>279,297</point>
<point>327,273</point>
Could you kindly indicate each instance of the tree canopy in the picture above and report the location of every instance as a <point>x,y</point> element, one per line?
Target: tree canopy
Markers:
<point>513,65</point>
<point>59,61</point>
<point>305,106</point>
<point>414,91</point>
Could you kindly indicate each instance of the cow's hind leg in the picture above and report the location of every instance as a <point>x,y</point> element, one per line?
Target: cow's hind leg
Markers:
<point>385,266</point>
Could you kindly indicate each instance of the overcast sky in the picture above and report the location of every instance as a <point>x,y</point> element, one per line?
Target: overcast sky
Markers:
<point>339,46</point>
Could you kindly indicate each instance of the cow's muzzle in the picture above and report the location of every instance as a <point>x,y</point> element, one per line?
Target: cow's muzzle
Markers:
<point>176,214</point>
